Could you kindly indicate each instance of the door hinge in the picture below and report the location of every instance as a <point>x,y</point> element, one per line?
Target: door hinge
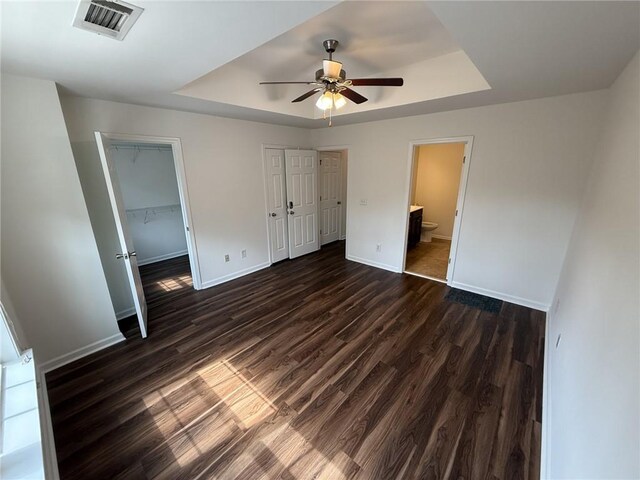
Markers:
<point>456,212</point>
<point>320,197</point>
<point>464,159</point>
<point>449,260</point>
<point>320,161</point>
<point>320,231</point>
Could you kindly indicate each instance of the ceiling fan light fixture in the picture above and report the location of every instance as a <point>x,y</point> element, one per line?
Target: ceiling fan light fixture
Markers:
<point>329,101</point>
<point>331,68</point>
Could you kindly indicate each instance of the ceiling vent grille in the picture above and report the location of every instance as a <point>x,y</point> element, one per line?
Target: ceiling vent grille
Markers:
<point>110,18</point>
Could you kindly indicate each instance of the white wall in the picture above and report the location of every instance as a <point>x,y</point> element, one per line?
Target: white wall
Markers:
<point>437,180</point>
<point>593,377</point>
<point>528,167</point>
<point>224,173</point>
<point>50,263</point>
<point>149,186</point>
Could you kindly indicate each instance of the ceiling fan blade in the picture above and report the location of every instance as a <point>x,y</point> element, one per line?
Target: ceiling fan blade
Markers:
<point>353,96</point>
<point>287,83</point>
<point>306,95</point>
<point>382,82</point>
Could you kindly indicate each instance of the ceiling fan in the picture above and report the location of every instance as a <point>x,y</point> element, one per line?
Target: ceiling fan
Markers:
<point>332,81</point>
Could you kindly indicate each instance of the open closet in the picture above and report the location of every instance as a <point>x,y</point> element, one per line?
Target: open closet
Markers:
<point>147,193</point>
<point>151,200</point>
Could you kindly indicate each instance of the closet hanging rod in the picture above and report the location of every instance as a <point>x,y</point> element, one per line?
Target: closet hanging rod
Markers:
<point>159,208</point>
<point>115,146</point>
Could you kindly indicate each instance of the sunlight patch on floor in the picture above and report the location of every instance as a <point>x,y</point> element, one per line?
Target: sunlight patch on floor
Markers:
<point>171,284</point>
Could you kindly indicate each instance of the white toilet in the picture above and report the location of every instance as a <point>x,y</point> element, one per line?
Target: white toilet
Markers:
<point>427,228</point>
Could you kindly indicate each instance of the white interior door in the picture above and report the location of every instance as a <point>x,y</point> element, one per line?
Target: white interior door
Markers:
<point>276,204</point>
<point>330,193</point>
<point>302,198</point>
<point>127,252</point>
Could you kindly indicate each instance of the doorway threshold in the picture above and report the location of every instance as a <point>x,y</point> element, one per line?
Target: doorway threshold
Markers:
<point>435,279</point>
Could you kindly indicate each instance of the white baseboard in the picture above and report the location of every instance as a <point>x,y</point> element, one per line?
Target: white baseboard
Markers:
<point>234,275</point>
<point>46,427</point>
<point>125,313</point>
<point>160,258</point>
<point>501,296</point>
<point>371,263</point>
<point>441,237</point>
<point>80,353</point>
<point>343,237</point>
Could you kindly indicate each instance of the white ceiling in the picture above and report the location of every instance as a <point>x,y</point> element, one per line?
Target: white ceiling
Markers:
<point>523,49</point>
<point>383,38</point>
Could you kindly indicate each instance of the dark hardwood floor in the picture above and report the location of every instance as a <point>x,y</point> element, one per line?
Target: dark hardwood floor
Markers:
<point>313,368</point>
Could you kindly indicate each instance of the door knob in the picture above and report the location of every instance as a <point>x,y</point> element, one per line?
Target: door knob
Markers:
<point>132,254</point>
<point>120,255</point>
<point>291,212</point>
<point>273,214</point>
<point>339,203</point>
<point>290,204</point>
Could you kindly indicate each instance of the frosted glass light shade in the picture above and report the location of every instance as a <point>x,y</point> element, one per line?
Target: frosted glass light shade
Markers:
<point>339,101</point>
<point>331,69</point>
<point>325,102</point>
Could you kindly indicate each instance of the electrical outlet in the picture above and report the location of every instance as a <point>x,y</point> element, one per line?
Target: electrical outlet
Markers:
<point>226,258</point>
<point>558,340</point>
<point>244,254</point>
<point>378,247</point>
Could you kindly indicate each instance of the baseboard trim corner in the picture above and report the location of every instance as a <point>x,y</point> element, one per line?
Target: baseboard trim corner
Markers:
<point>125,313</point>
<point>234,275</point>
<point>82,352</point>
<point>501,296</point>
<point>371,263</point>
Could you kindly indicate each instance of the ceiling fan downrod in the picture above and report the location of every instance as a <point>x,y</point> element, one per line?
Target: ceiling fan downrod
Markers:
<point>330,47</point>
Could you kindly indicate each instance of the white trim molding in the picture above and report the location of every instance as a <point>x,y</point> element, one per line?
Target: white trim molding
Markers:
<point>160,258</point>
<point>46,427</point>
<point>234,275</point>
<point>501,296</point>
<point>127,312</point>
<point>82,352</point>
<point>370,263</point>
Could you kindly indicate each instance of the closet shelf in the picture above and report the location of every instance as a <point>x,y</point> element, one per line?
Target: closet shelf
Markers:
<point>157,209</point>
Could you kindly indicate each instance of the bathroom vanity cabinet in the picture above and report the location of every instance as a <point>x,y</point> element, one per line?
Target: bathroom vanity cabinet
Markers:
<point>415,226</point>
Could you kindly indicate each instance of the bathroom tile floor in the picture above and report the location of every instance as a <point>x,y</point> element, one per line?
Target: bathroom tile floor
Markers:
<point>430,259</point>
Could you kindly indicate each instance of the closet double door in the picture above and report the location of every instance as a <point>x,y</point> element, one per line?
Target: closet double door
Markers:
<point>292,191</point>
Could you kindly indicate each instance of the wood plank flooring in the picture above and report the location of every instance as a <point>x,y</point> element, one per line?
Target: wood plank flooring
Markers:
<point>313,368</point>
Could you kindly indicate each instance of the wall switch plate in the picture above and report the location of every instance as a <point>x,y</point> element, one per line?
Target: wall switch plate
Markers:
<point>226,258</point>
<point>244,254</point>
<point>558,340</point>
<point>364,201</point>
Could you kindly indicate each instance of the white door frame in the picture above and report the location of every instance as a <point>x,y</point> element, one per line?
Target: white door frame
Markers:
<point>462,189</point>
<point>183,192</point>
<point>340,148</point>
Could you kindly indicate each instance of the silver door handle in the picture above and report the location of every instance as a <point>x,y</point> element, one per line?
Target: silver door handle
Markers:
<point>273,214</point>
<point>133,254</point>
<point>120,255</point>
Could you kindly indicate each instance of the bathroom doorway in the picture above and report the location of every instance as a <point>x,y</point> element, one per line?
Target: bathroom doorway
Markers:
<point>437,186</point>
